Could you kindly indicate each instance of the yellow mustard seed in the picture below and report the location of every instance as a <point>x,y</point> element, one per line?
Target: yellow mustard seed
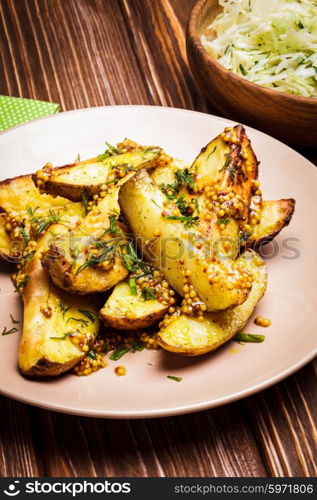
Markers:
<point>260,321</point>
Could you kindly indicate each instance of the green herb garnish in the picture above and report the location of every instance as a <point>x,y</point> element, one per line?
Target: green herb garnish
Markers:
<point>137,346</point>
<point>24,235</point>
<point>63,308</point>
<point>22,284</point>
<point>196,203</point>
<point>104,155</point>
<point>92,354</point>
<point>223,221</point>
<point>112,181</point>
<point>64,337</point>
<point>170,190</point>
<point>185,178</point>
<point>232,173</point>
<point>300,24</point>
<point>148,293</point>
<point>212,152</point>
<point>189,220</point>
<point>14,321</point>
<point>108,250</point>
<point>182,205</point>
<point>113,228</point>
<point>89,314</point>
<point>84,322</point>
<point>118,353</point>
<point>128,168</point>
<point>8,332</point>
<point>177,379</point>
<point>244,236</point>
<point>248,337</point>
<point>132,261</point>
<point>133,287</point>
<point>52,218</point>
<point>77,158</point>
<point>153,201</point>
<point>113,149</point>
<point>26,258</point>
<point>31,213</point>
<point>226,163</point>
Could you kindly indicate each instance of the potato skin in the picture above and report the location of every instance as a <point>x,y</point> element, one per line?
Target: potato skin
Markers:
<point>187,336</point>
<point>275,216</point>
<point>19,192</point>
<point>16,195</point>
<point>124,311</point>
<point>46,368</point>
<point>39,354</point>
<point>132,323</point>
<point>71,181</point>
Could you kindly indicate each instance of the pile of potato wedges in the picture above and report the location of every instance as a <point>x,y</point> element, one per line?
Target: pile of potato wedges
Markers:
<point>135,239</point>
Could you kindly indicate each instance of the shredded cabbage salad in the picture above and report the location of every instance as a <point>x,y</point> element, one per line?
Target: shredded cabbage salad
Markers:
<point>269,42</point>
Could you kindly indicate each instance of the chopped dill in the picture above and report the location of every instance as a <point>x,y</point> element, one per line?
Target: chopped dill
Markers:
<point>8,332</point>
<point>148,293</point>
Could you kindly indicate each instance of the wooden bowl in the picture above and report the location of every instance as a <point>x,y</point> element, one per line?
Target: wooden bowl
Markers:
<point>291,118</point>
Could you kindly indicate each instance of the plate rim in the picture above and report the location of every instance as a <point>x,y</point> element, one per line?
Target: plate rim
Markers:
<point>180,409</point>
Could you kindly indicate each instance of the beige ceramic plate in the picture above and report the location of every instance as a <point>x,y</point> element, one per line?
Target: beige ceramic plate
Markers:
<point>233,371</point>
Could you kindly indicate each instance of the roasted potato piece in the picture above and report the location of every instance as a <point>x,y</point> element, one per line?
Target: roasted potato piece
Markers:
<point>20,192</point>
<point>125,311</point>
<point>86,259</point>
<point>188,336</point>
<point>26,213</point>
<point>90,175</point>
<point>275,215</point>
<point>214,192</point>
<point>6,242</point>
<point>51,320</point>
<point>228,161</point>
<point>177,252</point>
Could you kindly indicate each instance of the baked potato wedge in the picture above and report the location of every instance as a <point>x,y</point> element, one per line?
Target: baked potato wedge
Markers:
<point>26,213</point>
<point>228,161</point>
<point>275,215</point>
<point>87,259</point>
<point>178,252</point>
<point>51,320</point>
<point>20,192</point>
<point>190,337</point>
<point>71,181</point>
<point>125,311</point>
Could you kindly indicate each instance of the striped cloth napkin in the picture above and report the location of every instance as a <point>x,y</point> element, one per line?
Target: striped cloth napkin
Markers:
<point>16,110</point>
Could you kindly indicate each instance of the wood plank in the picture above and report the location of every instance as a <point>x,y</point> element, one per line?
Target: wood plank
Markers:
<point>284,420</point>
<point>191,445</point>
<point>159,45</point>
<point>18,447</point>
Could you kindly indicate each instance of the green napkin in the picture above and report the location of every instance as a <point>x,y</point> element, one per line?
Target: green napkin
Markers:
<point>15,110</point>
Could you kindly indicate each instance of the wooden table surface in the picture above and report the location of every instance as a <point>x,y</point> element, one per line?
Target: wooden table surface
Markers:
<point>82,53</point>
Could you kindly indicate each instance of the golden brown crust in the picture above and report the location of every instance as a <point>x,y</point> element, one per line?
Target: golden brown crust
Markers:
<point>72,192</point>
<point>46,368</point>
<point>269,226</point>
<point>133,323</point>
<point>90,280</point>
